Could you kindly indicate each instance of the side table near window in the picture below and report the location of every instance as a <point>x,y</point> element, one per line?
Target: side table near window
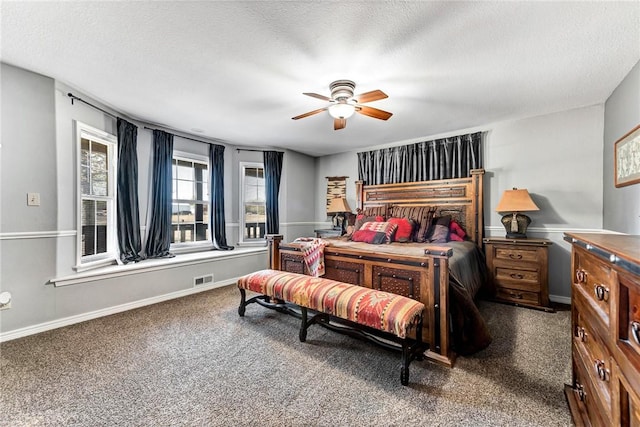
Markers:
<point>519,270</point>
<point>329,232</point>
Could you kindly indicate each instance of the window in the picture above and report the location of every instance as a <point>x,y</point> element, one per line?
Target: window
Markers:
<point>97,210</point>
<point>190,213</point>
<point>253,216</point>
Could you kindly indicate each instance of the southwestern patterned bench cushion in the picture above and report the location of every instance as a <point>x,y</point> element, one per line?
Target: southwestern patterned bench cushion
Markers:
<point>380,310</point>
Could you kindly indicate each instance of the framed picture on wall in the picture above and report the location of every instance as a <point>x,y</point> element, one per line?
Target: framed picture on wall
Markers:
<point>627,158</point>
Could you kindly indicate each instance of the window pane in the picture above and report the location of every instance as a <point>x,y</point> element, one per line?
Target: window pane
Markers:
<point>84,152</point>
<point>184,170</point>
<point>185,190</point>
<point>85,180</point>
<point>88,227</point>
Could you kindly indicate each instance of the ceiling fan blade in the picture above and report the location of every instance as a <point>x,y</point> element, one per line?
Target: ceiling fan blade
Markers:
<point>373,112</point>
<point>339,124</point>
<point>374,95</point>
<point>316,95</point>
<point>310,113</point>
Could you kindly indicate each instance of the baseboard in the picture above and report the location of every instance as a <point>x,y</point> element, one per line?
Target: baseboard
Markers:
<point>71,320</point>
<point>560,299</point>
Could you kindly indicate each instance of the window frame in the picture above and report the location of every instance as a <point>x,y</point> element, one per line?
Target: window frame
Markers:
<point>241,222</point>
<point>86,131</point>
<point>203,244</point>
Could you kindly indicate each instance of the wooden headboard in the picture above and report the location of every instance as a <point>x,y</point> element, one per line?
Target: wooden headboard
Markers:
<point>462,198</point>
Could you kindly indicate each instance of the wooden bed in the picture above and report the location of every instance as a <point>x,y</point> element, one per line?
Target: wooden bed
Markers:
<point>423,275</point>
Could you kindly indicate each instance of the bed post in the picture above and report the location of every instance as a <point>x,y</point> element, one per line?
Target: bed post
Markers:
<point>477,176</point>
<point>273,242</point>
<point>359,185</point>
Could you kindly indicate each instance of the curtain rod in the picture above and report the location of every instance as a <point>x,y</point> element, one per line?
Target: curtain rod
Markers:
<point>257,151</point>
<point>181,136</point>
<point>75,98</point>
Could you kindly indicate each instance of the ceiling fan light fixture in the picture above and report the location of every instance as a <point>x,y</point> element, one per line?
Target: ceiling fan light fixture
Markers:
<point>341,110</point>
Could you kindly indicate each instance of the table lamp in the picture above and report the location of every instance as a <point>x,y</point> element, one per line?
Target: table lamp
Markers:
<point>339,206</point>
<point>516,201</point>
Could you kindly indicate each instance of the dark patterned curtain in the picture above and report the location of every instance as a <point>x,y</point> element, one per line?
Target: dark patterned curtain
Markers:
<point>128,214</point>
<point>159,234</point>
<point>272,173</point>
<point>216,162</point>
<point>452,157</point>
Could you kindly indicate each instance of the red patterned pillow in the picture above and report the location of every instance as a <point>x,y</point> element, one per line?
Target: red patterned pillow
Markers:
<point>374,232</point>
<point>361,219</point>
<point>405,229</point>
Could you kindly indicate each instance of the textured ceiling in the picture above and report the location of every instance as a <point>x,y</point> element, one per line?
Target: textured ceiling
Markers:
<point>235,71</point>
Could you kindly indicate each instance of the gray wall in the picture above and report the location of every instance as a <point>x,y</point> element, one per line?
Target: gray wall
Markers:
<point>38,244</point>
<point>622,113</point>
<point>548,155</point>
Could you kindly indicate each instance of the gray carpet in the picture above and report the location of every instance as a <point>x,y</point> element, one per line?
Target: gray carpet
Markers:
<point>194,361</point>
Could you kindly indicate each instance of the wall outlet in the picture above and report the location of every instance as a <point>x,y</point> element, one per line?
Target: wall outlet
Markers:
<point>203,280</point>
<point>33,199</point>
<point>5,300</point>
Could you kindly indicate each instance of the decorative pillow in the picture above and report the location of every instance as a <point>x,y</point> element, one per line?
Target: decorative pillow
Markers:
<point>361,219</point>
<point>424,228</point>
<point>405,229</point>
<point>374,211</point>
<point>457,230</point>
<point>440,232</point>
<point>374,232</point>
<point>453,237</point>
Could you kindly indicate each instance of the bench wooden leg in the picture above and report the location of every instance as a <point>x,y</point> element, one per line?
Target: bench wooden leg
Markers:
<point>303,325</point>
<point>243,304</point>
<point>411,352</point>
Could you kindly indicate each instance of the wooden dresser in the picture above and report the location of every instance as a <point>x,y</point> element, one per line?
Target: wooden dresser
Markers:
<point>518,269</point>
<point>605,389</point>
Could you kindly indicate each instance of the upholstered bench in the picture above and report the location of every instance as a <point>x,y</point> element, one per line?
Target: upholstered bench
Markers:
<point>367,313</point>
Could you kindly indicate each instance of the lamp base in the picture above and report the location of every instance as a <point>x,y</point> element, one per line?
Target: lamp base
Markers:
<point>516,225</point>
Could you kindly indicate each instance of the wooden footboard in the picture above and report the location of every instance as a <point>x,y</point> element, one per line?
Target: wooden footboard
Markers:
<point>423,278</point>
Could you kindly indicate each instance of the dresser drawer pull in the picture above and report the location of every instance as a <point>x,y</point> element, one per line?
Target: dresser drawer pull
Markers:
<point>581,276</point>
<point>515,295</point>
<point>601,370</point>
<point>515,256</point>
<point>517,276</point>
<point>581,333</point>
<point>601,292</point>
<point>635,331</point>
<point>582,395</point>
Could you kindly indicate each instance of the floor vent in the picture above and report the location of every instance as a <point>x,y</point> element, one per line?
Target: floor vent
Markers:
<point>203,280</point>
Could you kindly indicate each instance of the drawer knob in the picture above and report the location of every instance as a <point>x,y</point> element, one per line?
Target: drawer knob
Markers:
<point>635,331</point>
<point>517,276</point>
<point>601,292</point>
<point>581,276</point>
<point>515,256</point>
<point>582,395</point>
<point>515,295</point>
<point>601,370</point>
<point>581,333</point>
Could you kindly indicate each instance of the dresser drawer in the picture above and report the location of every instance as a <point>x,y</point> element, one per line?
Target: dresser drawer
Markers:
<point>587,400</point>
<point>595,278</point>
<point>591,348</point>
<point>628,335</point>
<point>628,413</point>
<point>517,295</point>
<point>521,254</point>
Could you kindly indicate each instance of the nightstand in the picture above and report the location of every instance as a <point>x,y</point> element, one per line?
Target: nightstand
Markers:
<point>329,232</point>
<point>519,270</point>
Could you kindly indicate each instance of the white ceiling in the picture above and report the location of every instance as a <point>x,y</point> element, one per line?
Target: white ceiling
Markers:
<point>237,70</point>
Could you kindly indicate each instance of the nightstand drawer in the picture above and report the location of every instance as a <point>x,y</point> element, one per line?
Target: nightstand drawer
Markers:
<point>517,254</point>
<point>505,275</point>
<point>517,296</point>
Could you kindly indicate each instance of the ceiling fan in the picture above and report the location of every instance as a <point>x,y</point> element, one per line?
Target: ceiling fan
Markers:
<point>342,103</point>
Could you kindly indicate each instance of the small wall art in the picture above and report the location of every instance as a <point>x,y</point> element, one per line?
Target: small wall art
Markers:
<point>627,158</point>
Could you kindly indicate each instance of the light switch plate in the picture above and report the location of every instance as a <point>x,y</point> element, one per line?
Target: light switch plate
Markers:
<point>33,199</point>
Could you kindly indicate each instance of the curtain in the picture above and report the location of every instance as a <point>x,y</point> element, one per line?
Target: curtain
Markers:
<point>216,162</point>
<point>159,234</point>
<point>272,173</point>
<point>128,215</point>
<point>452,157</point>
